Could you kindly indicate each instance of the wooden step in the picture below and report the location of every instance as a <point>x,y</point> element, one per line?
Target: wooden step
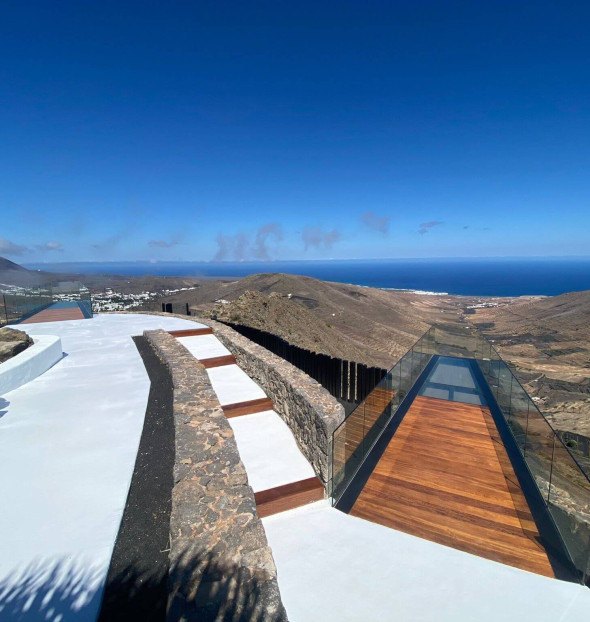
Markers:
<point>218,361</point>
<point>248,408</point>
<point>191,332</point>
<point>288,496</point>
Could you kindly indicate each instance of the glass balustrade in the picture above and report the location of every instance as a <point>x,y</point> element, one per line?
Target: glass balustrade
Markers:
<point>19,303</point>
<point>562,482</point>
<point>357,434</point>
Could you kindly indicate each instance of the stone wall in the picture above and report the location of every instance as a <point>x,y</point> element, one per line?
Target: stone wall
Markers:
<point>309,410</point>
<point>221,566</point>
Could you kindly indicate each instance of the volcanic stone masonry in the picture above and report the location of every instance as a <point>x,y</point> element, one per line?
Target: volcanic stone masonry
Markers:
<point>221,566</point>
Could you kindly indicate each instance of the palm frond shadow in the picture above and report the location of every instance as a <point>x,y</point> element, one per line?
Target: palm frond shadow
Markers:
<point>53,591</point>
<point>196,588</point>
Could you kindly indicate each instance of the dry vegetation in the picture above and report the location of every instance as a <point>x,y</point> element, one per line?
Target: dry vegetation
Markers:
<point>546,340</point>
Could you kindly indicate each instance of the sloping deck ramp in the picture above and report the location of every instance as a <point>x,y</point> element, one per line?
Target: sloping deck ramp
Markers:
<point>446,477</point>
<point>60,311</point>
<point>55,313</point>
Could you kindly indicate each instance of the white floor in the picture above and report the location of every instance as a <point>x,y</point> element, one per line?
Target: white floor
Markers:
<point>233,385</point>
<point>269,451</point>
<point>68,443</point>
<point>204,346</point>
<point>265,442</point>
<point>332,566</point>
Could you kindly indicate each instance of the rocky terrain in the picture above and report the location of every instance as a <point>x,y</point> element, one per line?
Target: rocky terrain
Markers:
<point>547,342</point>
<point>371,326</point>
<point>13,342</point>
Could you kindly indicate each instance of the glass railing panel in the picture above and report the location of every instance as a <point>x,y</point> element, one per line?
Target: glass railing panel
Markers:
<point>484,351</point>
<point>20,303</point>
<point>356,435</point>
<point>405,364</point>
<point>23,303</point>
<point>504,391</point>
<point>539,451</point>
<point>428,342</point>
<point>459,341</point>
<point>569,504</point>
<point>419,362</point>
<point>380,405</point>
<point>378,402</point>
<point>519,415</point>
<point>347,450</point>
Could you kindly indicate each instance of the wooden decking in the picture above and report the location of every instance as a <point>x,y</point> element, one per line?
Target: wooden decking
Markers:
<point>446,477</point>
<point>55,315</point>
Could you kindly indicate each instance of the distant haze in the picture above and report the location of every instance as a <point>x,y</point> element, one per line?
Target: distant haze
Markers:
<point>483,277</point>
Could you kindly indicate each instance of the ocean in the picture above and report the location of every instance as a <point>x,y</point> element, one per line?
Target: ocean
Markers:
<point>470,277</point>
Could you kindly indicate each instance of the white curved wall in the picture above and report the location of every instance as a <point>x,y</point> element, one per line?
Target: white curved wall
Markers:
<point>34,361</point>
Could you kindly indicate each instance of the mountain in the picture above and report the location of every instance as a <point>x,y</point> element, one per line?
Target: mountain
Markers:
<point>13,274</point>
<point>6,264</point>
<point>364,324</point>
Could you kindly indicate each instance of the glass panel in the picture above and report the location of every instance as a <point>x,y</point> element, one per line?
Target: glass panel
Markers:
<point>539,450</point>
<point>20,303</point>
<point>405,375</point>
<point>347,450</point>
<point>504,388</point>
<point>377,411</point>
<point>518,421</point>
<point>569,504</point>
<point>356,435</point>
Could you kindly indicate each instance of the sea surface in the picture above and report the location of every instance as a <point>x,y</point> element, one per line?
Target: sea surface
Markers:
<point>473,277</point>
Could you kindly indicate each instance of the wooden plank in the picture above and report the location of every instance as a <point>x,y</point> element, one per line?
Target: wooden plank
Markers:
<point>191,332</point>
<point>288,496</point>
<point>218,361</point>
<point>55,315</point>
<point>445,476</point>
<point>248,408</point>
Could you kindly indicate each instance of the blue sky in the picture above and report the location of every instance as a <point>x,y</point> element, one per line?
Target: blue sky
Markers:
<point>292,130</point>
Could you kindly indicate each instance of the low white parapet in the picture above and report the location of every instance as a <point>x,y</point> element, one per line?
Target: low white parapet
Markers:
<point>34,361</point>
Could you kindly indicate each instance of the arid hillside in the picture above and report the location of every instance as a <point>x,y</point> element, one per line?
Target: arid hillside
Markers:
<point>545,339</point>
<point>368,325</point>
<point>548,342</point>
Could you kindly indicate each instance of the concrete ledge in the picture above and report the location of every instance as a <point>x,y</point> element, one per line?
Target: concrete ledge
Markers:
<point>309,410</point>
<point>28,365</point>
<point>221,566</point>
